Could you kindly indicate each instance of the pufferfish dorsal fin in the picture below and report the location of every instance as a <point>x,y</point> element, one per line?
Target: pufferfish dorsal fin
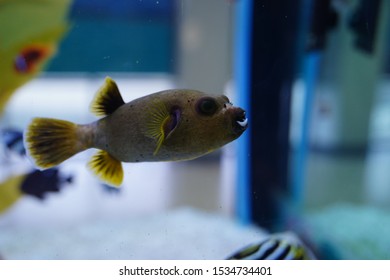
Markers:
<point>161,123</point>
<point>107,99</point>
<point>107,168</point>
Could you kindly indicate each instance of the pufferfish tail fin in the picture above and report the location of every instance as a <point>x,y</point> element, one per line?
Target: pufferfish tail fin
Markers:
<point>50,141</point>
<point>107,99</point>
<point>107,168</point>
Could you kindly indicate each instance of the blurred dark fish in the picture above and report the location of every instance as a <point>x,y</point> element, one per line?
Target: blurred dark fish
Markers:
<point>39,183</point>
<point>285,246</point>
<point>30,32</point>
<point>13,140</point>
<point>36,183</point>
<point>170,125</point>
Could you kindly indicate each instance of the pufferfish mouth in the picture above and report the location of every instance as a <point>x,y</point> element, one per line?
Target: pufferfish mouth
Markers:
<point>240,121</point>
<point>243,123</point>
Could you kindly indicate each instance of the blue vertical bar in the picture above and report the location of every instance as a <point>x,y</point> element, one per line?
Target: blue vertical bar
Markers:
<point>311,66</point>
<point>310,78</point>
<point>242,75</point>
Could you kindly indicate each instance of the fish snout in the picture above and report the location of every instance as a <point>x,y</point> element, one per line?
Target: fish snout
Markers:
<point>240,121</point>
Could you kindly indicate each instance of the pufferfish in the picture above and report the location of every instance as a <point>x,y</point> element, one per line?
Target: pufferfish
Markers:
<point>170,125</point>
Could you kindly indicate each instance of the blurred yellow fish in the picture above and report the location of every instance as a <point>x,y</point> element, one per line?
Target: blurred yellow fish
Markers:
<point>10,192</point>
<point>29,35</point>
<point>170,125</point>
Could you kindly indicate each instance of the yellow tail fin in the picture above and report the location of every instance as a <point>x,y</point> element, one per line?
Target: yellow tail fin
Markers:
<point>49,141</point>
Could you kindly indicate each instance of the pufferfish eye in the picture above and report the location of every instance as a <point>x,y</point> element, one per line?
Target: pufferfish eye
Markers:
<point>206,106</point>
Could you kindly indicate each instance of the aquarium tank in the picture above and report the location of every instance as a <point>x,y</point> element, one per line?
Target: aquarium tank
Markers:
<point>275,129</point>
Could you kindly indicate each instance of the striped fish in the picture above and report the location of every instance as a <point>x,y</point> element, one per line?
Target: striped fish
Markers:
<point>283,246</point>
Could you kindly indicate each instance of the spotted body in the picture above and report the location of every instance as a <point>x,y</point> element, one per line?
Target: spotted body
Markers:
<point>170,104</point>
<point>170,125</point>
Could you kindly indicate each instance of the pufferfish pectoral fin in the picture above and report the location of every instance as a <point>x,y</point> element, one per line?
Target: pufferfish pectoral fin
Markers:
<point>161,123</point>
<point>107,99</point>
<point>107,168</point>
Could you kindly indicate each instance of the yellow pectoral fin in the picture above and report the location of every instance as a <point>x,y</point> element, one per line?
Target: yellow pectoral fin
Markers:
<point>161,123</point>
<point>107,168</point>
<point>158,116</point>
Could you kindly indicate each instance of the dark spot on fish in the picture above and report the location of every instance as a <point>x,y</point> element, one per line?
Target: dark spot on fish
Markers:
<point>137,160</point>
<point>141,155</point>
<point>27,60</point>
